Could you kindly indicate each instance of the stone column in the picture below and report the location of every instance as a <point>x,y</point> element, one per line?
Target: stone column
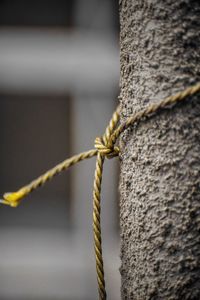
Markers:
<point>160,161</point>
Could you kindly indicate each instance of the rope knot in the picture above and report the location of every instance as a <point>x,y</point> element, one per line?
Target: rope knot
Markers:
<point>105,149</point>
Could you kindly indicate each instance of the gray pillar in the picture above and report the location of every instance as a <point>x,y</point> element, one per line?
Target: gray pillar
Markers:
<point>160,162</point>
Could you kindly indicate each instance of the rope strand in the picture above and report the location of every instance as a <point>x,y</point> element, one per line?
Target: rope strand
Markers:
<point>97,225</point>
<point>152,108</point>
<point>13,199</point>
<point>103,152</point>
<point>105,148</point>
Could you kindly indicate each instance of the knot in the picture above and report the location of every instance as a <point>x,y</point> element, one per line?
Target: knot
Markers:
<point>105,149</point>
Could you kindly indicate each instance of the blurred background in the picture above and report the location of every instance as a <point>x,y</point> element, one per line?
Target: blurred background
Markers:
<point>59,78</point>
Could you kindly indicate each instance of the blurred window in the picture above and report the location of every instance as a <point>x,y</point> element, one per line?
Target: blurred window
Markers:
<point>35,136</point>
<point>36,13</point>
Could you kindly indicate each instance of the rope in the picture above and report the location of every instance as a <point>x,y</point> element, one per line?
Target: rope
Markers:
<point>13,199</point>
<point>104,148</point>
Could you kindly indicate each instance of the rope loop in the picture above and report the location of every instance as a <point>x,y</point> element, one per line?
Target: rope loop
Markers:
<point>105,149</point>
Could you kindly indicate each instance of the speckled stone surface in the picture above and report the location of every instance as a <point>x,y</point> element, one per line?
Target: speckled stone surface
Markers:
<point>160,156</point>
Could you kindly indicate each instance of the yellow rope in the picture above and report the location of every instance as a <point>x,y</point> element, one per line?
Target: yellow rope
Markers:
<point>13,199</point>
<point>152,108</point>
<point>105,147</point>
<point>100,145</point>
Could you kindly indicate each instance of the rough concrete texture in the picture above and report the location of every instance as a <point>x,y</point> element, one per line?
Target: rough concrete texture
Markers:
<point>160,156</point>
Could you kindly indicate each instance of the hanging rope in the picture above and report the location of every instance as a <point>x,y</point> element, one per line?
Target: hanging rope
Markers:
<point>104,148</point>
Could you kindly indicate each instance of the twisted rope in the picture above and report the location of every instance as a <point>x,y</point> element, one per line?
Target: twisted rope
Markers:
<point>152,108</point>
<point>13,199</point>
<point>104,148</point>
<point>103,151</point>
